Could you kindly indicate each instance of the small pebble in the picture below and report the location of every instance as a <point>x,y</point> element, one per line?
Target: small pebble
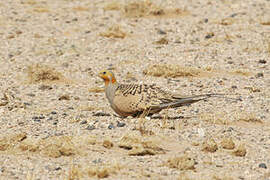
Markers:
<point>58,168</point>
<point>31,94</point>
<point>90,127</point>
<point>37,120</point>
<point>84,122</point>
<point>41,116</point>
<point>26,103</point>
<point>50,118</point>
<point>258,75</point>
<point>111,126</point>
<point>234,14</point>
<point>53,112</point>
<point>120,124</point>
<point>234,87</point>
<point>262,61</point>
<point>101,114</point>
<point>262,165</point>
<point>161,31</point>
<point>55,122</point>
<point>97,161</point>
<point>210,35</point>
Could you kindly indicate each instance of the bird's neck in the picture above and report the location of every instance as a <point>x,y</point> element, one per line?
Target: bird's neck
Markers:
<point>110,88</point>
<point>112,81</point>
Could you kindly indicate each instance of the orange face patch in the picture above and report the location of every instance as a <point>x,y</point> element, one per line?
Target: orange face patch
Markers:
<point>107,76</point>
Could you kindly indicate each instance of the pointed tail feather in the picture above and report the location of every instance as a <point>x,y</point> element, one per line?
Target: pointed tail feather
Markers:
<point>190,100</point>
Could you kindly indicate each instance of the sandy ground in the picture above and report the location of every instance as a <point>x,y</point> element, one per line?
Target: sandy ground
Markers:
<point>57,124</point>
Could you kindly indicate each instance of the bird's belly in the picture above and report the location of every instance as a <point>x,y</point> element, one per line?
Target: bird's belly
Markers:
<point>122,112</point>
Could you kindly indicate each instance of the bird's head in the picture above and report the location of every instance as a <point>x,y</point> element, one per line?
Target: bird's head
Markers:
<point>107,76</point>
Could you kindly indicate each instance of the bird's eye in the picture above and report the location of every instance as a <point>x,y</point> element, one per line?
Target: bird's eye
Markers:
<point>104,72</point>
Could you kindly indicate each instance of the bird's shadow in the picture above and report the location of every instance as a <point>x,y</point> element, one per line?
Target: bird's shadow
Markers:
<point>169,117</point>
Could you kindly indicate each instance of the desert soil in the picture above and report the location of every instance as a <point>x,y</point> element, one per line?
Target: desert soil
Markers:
<point>56,122</point>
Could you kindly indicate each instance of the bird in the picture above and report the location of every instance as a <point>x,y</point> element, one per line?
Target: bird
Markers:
<point>140,100</point>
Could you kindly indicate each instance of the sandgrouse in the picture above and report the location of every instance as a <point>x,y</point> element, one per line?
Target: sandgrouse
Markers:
<point>142,99</point>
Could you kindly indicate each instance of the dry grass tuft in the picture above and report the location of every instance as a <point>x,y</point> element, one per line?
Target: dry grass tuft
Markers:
<point>8,142</point>
<point>64,97</point>
<point>57,146</point>
<point>222,177</point>
<point>140,146</point>
<point>107,144</point>
<point>184,176</point>
<point>4,100</point>
<point>267,23</point>
<point>217,118</point>
<point>96,90</point>
<point>41,10</point>
<point>227,21</point>
<point>42,73</point>
<point>80,8</point>
<point>209,145</point>
<point>114,31</point>
<point>162,41</point>
<point>248,117</point>
<point>83,171</point>
<point>241,151</point>
<point>182,163</point>
<point>171,70</point>
<point>227,143</point>
<point>113,6</point>
<point>103,171</point>
<point>241,72</point>
<point>146,8</point>
<point>75,172</point>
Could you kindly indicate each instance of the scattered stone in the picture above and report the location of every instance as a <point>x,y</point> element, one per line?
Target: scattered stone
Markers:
<point>258,75</point>
<point>262,165</point>
<point>64,97</point>
<point>41,116</point>
<point>96,161</point>
<point>111,126</point>
<point>55,122</point>
<point>91,127</point>
<point>161,32</point>
<point>27,104</point>
<point>101,114</point>
<point>31,94</point>
<point>45,87</point>
<point>209,35</point>
<point>84,122</point>
<point>120,124</point>
<point>34,117</point>
<point>53,112</point>
<point>58,168</point>
<point>234,87</point>
<point>262,61</point>
<point>37,120</point>
<point>50,118</point>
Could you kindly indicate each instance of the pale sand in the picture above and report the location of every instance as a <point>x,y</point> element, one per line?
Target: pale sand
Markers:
<point>48,125</point>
